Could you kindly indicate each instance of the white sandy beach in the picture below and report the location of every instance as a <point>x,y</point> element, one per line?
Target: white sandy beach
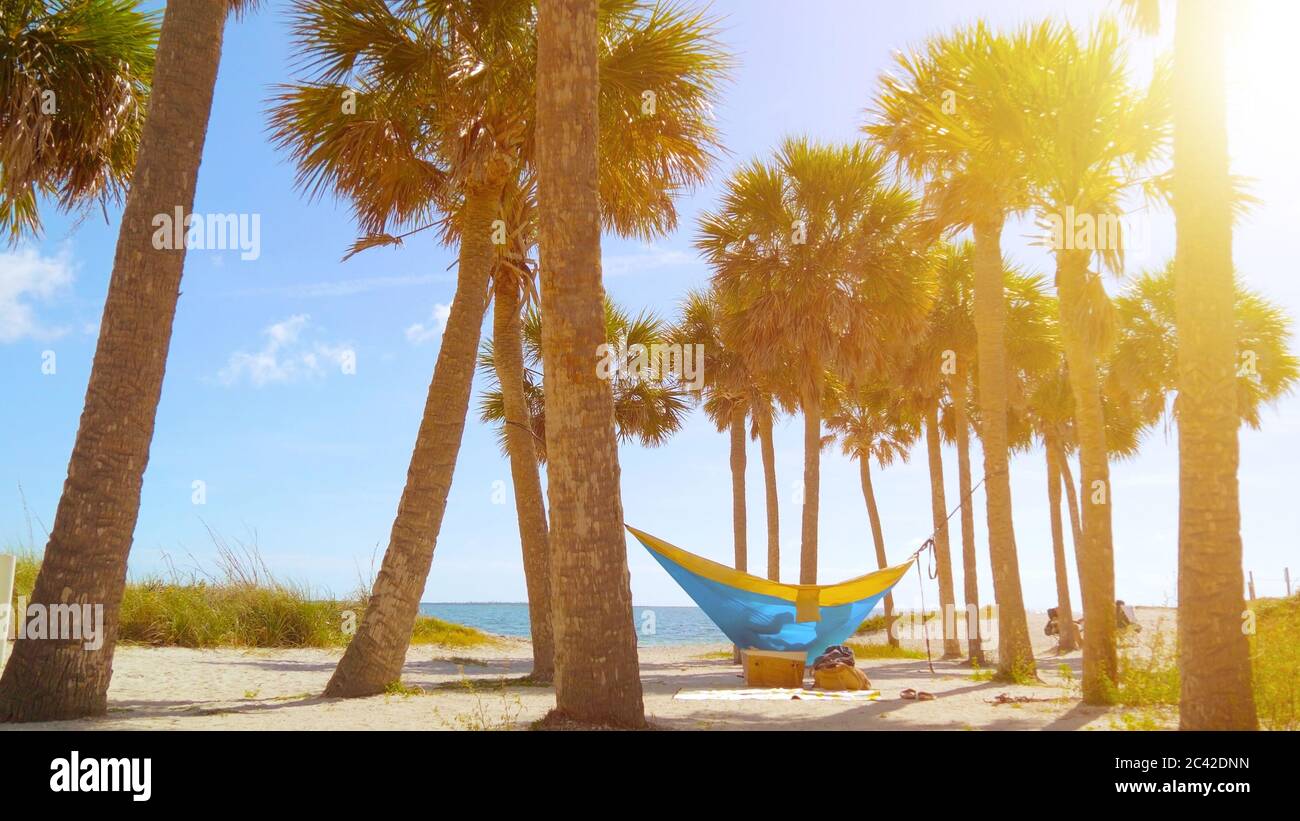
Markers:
<point>230,689</point>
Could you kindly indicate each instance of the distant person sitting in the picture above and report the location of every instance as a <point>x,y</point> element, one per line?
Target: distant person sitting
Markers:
<point>1124,616</point>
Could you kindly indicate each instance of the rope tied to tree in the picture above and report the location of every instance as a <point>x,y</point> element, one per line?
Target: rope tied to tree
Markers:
<point>932,571</point>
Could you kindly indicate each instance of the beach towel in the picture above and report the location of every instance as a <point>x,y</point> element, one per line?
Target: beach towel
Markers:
<point>776,694</point>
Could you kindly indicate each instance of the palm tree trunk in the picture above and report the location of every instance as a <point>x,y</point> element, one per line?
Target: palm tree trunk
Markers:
<point>530,507</point>
<point>1096,552</point>
<point>1213,652</point>
<point>812,446</point>
<point>597,679</point>
<point>769,484</point>
<point>738,523</point>
<point>1071,496</point>
<point>374,658</point>
<point>1068,640</point>
<point>970,577</point>
<point>878,536</point>
<point>1015,653</point>
<point>942,550</point>
<point>86,557</point>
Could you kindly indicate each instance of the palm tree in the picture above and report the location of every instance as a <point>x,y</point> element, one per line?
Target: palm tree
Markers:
<point>1142,370</point>
<point>442,118</point>
<point>931,365</point>
<point>951,339</point>
<point>728,398</point>
<point>733,393</point>
<point>74,87</point>
<point>502,360</point>
<point>1097,135</point>
<point>873,422</point>
<point>952,329</point>
<point>1214,659</point>
<point>1052,411</point>
<point>725,398</point>
<point>952,120</point>
<point>649,408</point>
<point>597,676</point>
<point>813,268</point>
<point>86,556</point>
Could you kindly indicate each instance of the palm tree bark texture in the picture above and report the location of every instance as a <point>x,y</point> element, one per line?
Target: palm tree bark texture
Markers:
<point>530,505</point>
<point>1015,653</point>
<point>878,539</point>
<point>597,677</point>
<point>768,450</point>
<point>1069,639</point>
<point>1214,656</point>
<point>86,557</point>
<point>738,519</point>
<point>1096,554</point>
<point>376,654</point>
<point>942,548</point>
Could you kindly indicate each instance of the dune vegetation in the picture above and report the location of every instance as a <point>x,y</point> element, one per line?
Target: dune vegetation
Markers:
<point>236,608</point>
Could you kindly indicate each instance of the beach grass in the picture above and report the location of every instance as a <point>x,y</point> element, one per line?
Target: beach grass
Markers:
<point>865,650</point>
<point>243,605</point>
<point>1148,670</point>
<point>1275,656</point>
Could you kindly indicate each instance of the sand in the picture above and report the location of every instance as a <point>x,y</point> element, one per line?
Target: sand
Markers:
<point>230,689</point>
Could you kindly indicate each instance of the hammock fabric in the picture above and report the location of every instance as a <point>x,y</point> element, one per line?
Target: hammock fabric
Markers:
<point>759,614</point>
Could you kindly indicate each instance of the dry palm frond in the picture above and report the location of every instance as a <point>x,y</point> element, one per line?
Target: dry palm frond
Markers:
<point>74,84</point>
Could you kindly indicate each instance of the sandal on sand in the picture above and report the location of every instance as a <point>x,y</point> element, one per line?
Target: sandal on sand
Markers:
<point>909,694</point>
<point>924,696</point>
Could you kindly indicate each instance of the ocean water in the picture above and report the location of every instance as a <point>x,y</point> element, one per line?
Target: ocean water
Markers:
<point>655,625</point>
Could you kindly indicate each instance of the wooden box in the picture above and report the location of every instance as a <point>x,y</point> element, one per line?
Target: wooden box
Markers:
<point>767,668</point>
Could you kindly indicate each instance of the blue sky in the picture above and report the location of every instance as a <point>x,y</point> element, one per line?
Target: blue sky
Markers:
<point>310,461</point>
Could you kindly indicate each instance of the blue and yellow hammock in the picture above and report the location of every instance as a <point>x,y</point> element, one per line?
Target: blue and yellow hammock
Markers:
<point>766,615</point>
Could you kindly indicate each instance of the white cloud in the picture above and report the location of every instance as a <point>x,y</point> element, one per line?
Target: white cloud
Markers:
<point>27,277</point>
<point>420,333</point>
<point>286,357</point>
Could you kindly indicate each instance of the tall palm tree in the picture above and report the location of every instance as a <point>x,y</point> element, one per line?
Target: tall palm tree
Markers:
<point>952,332</point>
<point>1214,658</point>
<point>514,287</point>
<point>1052,410</point>
<point>812,262</point>
<point>951,339</point>
<point>873,422</point>
<point>85,559</point>
<point>726,398</point>
<point>733,393</point>
<point>597,675</point>
<point>1098,134</point>
<point>931,366</point>
<point>443,117</point>
<point>647,408</point>
<point>424,142</point>
<point>74,87</point>
<point>952,121</point>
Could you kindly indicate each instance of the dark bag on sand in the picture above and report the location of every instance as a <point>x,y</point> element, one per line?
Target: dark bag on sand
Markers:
<point>835,654</point>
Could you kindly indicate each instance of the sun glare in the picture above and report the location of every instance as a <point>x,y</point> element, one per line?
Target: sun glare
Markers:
<point>1263,106</point>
